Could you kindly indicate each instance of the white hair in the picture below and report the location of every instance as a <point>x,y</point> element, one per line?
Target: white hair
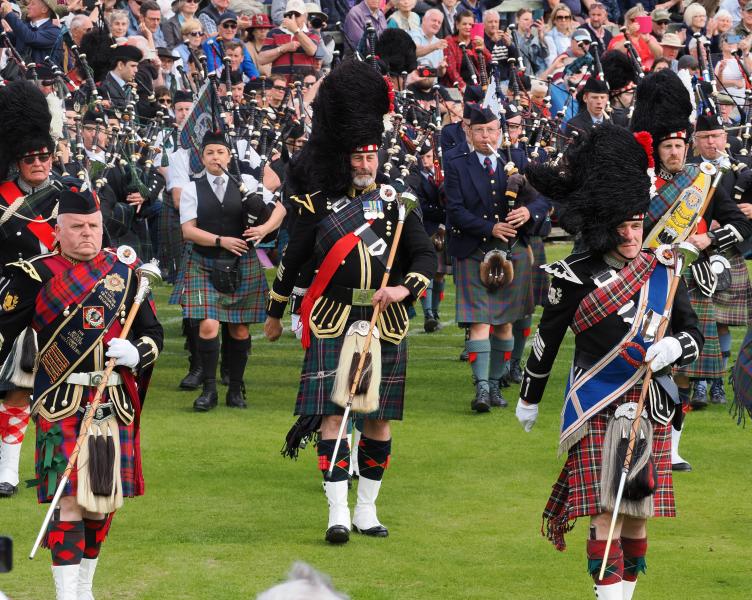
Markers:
<point>303,583</point>
<point>246,7</point>
<point>723,13</point>
<point>692,11</point>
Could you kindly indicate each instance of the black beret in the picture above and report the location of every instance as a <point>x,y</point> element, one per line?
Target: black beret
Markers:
<point>214,137</point>
<point>481,116</point>
<point>182,96</point>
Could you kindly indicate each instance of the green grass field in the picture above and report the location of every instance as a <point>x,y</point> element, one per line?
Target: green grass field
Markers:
<point>225,516</point>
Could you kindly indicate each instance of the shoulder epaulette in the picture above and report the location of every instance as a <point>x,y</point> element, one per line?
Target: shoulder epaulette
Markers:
<point>562,269</point>
<point>306,201</point>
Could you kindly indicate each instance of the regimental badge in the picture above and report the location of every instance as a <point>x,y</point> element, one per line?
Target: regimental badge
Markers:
<point>554,295</point>
<point>126,255</point>
<point>387,193</point>
<point>93,317</point>
<point>114,282</point>
<point>10,302</point>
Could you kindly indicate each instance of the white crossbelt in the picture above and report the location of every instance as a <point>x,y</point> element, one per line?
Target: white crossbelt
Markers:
<point>93,379</point>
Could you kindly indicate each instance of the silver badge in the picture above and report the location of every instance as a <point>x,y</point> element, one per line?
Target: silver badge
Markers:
<point>126,255</point>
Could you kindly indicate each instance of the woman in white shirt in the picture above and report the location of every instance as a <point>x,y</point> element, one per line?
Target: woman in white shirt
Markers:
<point>560,29</point>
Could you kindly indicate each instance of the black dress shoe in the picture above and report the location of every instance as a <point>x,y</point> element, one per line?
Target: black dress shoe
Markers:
<point>481,403</point>
<point>682,466</point>
<point>236,398</point>
<point>377,531</point>
<point>205,402</point>
<point>497,400</point>
<point>337,534</point>
<point>430,325</point>
<point>193,380</point>
<point>7,489</point>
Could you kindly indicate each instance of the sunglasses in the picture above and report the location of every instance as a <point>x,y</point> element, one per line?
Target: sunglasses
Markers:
<point>307,84</point>
<point>42,157</point>
<point>279,88</point>
<point>165,100</point>
<point>195,33</point>
<point>563,18</point>
<point>229,25</point>
<point>190,1</point>
<point>292,14</point>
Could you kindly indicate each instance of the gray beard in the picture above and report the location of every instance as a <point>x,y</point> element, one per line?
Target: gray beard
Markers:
<point>363,181</point>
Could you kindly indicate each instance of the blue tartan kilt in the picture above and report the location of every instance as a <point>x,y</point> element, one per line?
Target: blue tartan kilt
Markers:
<point>201,300</point>
<point>540,280</point>
<point>320,367</point>
<point>476,304</point>
<point>709,364</point>
<point>733,306</point>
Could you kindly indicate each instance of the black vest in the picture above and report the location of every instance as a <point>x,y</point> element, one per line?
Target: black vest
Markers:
<point>224,218</point>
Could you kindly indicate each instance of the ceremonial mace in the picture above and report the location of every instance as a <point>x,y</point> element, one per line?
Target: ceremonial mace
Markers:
<point>407,202</point>
<point>683,254</point>
<point>148,275</point>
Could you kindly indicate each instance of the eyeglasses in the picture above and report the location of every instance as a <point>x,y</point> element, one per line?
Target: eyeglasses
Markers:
<point>195,33</point>
<point>563,18</point>
<point>485,130</point>
<point>229,25</point>
<point>42,157</point>
<point>165,100</point>
<point>279,88</point>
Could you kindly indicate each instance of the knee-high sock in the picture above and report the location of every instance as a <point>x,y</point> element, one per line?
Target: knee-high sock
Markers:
<point>341,470</point>
<point>190,329</point>
<point>94,533</point>
<point>209,352</point>
<point>224,363</point>
<point>426,301</point>
<point>13,423</point>
<point>681,409</point>
<point>237,359</point>
<point>521,331</point>
<point>373,457</point>
<point>501,352</point>
<point>634,557</point>
<point>614,565</point>
<point>478,355</point>
<point>66,542</point>
<point>725,342</point>
<point>437,296</point>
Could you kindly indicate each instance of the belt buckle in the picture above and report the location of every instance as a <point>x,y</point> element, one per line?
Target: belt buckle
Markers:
<point>95,379</point>
<point>362,297</point>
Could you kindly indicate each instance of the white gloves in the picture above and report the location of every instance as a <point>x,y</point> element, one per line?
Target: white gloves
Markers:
<point>527,414</point>
<point>663,353</point>
<point>124,353</point>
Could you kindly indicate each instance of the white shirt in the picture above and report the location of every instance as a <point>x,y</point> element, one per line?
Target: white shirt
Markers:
<point>189,195</point>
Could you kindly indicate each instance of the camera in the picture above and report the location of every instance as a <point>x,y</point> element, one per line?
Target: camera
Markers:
<point>424,71</point>
<point>317,22</point>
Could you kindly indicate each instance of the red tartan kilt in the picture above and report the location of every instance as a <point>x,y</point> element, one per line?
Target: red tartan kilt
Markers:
<point>70,428</point>
<point>577,491</point>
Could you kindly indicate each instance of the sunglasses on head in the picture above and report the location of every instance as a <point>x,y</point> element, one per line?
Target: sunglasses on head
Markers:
<point>39,156</point>
<point>229,25</point>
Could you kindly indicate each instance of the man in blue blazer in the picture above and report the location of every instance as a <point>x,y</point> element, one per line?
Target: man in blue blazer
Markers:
<point>34,38</point>
<point>482,216</point>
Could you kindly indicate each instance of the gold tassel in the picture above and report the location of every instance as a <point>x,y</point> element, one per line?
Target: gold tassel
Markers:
<point>366,399</point>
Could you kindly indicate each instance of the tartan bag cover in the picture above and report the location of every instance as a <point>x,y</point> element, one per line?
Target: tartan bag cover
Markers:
<point>668,194</point>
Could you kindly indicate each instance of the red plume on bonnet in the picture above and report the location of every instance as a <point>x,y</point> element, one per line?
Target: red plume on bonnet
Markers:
<point>646,141</point>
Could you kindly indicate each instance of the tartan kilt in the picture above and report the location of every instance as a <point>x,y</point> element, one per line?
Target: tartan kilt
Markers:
<point>576,492</point>
<point>69,429</point>
<point>177,288</point>
<point>475,304</point>
<point>709,365</point>
<point>733,305</point>
<point>170,241</point>
<point>540,280</point>
<point>201,300</point>
<point>320,366</point>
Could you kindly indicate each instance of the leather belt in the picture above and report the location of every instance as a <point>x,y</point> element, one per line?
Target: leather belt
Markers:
<point>93,379</point>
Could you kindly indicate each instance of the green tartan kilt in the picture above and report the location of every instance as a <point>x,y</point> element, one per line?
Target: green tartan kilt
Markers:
<point>320,367</point>
<point>476,304</point>
<point>177,288</point>
<point>709,365</point>
<point>539,278</point>
<point>733,305</point>
<point>201,300</point>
